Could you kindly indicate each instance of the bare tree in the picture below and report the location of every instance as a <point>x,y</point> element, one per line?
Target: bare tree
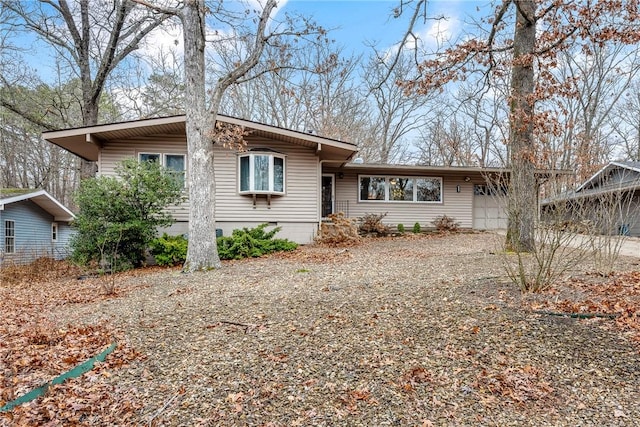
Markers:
<point>156,93</point>
<point>445,140</point>
<point>395,114</point>
<point>541,29</point>
<point>272,98</point>
<point>598,79</point>
<point>26,161</point>
<point>486,112</point>
<point>626,122</point>
<point>466,126</point>
<point>314,90</point>
<point>333,97</point>
<point>92,37</point>
<point>202,106</point>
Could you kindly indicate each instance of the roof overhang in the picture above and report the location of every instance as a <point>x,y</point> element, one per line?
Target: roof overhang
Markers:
<point>591,194</point>
<point>86,142</point>
<point>472,171</point>
<point>610,166</point>
<point>45,201</point>
<point>418,169</point>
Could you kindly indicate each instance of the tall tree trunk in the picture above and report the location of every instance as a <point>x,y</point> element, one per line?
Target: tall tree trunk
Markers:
<point>202,253</point>
<point>88,168</point>
<point>522,197</point>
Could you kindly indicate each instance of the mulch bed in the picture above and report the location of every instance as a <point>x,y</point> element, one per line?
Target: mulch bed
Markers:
<point>400,331</point>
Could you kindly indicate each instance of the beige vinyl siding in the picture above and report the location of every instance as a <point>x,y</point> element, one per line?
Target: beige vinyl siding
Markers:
<point>454,204</point>
<point>299,232</point>
<point>299,205</point>
<point>114,152</point>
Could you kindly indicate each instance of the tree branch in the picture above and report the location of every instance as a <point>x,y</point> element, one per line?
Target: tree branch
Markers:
<point>260,42</point>
<point>26,115</point>
<point>404,39</point>
<point>31,24</point>
<point>497,20</point>
<point>107,63</point>
<point>166,10</point>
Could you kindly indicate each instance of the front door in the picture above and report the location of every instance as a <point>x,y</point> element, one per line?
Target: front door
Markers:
<point>328,193</point>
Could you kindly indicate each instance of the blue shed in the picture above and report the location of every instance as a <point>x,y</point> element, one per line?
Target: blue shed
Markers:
<point>32,225</point>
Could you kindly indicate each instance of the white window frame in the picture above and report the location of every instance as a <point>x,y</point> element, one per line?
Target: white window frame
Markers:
<point>387,187</point>
<point>10,241</point>
<point>184,170</point>
<point>163,160</point>
<point>271,175</point>
<point>149,153</point>
<point>54,231</point>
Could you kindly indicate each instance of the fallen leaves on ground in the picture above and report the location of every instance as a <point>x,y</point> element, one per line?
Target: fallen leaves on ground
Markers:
<point>516,384</point>
<point>614,297</point>
<point>35,347</point>
<point>394,331</point>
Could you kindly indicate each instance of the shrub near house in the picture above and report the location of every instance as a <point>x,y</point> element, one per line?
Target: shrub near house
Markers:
<point>251,243</point>
<point>119,217</point>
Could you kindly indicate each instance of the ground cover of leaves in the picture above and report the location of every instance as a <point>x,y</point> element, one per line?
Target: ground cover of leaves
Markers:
<point>401,331</point>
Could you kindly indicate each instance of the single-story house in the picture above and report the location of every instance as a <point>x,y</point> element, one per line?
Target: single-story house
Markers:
<point>33,224</point>
<point>608,202</point>
<point>293,179</point>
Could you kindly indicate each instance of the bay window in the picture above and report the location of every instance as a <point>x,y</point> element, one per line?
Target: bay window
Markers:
<point>262,173</point>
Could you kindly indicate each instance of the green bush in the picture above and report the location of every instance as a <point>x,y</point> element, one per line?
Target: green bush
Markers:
<point>416,228</point>
<point>118,217</point>
<point>252,243</point>
<point>169,250</point>
<point>400,228</point>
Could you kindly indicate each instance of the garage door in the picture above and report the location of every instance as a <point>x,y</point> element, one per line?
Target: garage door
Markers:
<point>488,213</point>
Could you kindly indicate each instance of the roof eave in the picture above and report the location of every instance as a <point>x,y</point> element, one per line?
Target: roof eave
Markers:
<point>85,142</point>
<point>47,202</point>
<point>452,169</point>
<point>604,169</point>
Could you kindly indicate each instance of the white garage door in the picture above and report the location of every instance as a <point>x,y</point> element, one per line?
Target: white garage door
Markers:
<point>488,213</point>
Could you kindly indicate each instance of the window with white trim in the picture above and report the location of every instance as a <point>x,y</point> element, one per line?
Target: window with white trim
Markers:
<point>175,163</point>
<point>9,236</point>
<point>400,189</point>
<point>54,231</point>
<point>261,173</point>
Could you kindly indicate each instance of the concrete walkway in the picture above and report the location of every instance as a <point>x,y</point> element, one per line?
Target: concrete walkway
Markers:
<point>630,246</point>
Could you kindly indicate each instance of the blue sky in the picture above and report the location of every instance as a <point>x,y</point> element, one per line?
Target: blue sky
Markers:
<point>357,23</point>
<point>354,25</point>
